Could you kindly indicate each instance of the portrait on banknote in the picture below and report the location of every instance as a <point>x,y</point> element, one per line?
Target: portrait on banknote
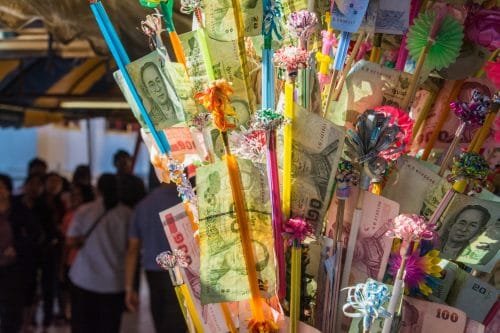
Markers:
<point>156,89</point>
<point>470,232</point>
<point>316,152</point>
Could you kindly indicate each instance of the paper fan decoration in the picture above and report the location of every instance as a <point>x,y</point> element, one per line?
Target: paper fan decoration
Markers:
<point>447,41</point>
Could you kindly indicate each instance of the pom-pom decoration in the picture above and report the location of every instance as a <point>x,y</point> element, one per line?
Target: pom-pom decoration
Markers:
<point>367,302</point>
<point>297,230</point>
<point>410,228</point>
<point>302,24</point>
<point>250,144</point>
<point>446,43</point>
<point>474,112</point>
<point>472,167</point>
<point>422,271</point>
<point>291,58</point>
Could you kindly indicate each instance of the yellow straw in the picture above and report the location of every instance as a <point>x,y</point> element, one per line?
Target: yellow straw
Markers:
<point>191,309</point>
<point>287,148</point>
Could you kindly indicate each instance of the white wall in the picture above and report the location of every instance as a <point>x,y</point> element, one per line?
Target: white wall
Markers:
<point>64,149</point>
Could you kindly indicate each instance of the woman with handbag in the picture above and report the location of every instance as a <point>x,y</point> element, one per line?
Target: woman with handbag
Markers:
<point>99,231</point>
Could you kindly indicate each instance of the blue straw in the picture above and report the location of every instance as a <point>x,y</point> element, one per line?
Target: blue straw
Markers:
<point>267,79</point>
<point>345,38</point>
<point>120,55</point>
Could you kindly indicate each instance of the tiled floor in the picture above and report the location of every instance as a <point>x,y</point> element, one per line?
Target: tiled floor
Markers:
<point>140,322</point>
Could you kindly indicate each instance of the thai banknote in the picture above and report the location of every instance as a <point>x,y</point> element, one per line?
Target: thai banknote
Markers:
<point>472,295</point>
<point>392,17</point>
<point>373,248</point>
<point>220,22</point>
<point>442,287</point>
<point>198,63</point>
<point>317,146</point>
<point>469,231</point>
<point>118,76</point>
<point>185,147</point>
<point>223,272</point>
<point>447,133</point>
<point>183,87</point>
<point>160,94</point>
<point>227,64</point>
<point>410,176</point>
<point>473,326</point>
<point>421,317</point>
<point>179,232</point>
<point>368,85</point>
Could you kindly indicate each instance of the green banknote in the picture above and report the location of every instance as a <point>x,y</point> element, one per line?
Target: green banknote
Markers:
<point>163,90</point>
<point>220,23</point>
<point>317,146</point>
<point>223,272</point>
<point>199,66</point>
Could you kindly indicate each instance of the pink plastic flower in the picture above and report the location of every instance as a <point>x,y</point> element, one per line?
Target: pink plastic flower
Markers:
<point>410,227</point>
<point>291,58</point>
<point>297,229</point>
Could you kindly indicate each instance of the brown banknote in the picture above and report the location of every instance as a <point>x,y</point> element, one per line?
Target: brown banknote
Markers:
<point>179,232</point>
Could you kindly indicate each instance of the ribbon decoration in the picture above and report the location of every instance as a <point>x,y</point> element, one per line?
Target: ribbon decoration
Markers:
<point>410,228</point>
<point>470,114</point>
<point>296,230</point>
<point>346,177</point>
<point>366,300</point>
<point>172,262</point>
<point>152,28</point>
<point>215,98</point>
<point>167,8</point>
<point>193,6</point>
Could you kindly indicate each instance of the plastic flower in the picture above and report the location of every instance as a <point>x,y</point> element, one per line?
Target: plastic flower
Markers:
<point>401,119</point>
<point>291,58</point>
<point>410,227</point>
<point>251,145</point>
<point>421,272</point>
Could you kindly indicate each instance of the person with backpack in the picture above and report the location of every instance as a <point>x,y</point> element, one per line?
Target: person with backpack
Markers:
<point>99,231</point>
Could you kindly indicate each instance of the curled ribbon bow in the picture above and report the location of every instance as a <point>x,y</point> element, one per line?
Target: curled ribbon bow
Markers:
<point>367,299</point>
<point>215,98</point>
<point>190,6</point>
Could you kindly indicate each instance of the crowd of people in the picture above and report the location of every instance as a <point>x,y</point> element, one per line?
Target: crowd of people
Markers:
<point>73,250</point>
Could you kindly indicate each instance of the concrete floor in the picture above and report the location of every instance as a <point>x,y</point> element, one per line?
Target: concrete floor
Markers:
<point>140,322</point>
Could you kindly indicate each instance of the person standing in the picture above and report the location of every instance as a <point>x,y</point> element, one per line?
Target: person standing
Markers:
<point>99,231</point>
<point>146,235</point>
<point>19,237</point>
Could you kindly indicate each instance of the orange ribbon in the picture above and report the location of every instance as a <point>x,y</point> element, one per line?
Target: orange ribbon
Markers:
<point>215,98</point>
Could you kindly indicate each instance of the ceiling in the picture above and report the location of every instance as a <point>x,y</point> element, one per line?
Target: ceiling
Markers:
<point>54,64</point>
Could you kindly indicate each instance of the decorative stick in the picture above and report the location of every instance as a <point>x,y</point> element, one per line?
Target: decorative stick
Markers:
<point>410,228</point>
<point>216,100</point>
<point>443,116</point>
<point>290,58</point>
<point>270,120</point>
<point>470,114</point>
<point>172,262</point>
<point>296,230</point>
